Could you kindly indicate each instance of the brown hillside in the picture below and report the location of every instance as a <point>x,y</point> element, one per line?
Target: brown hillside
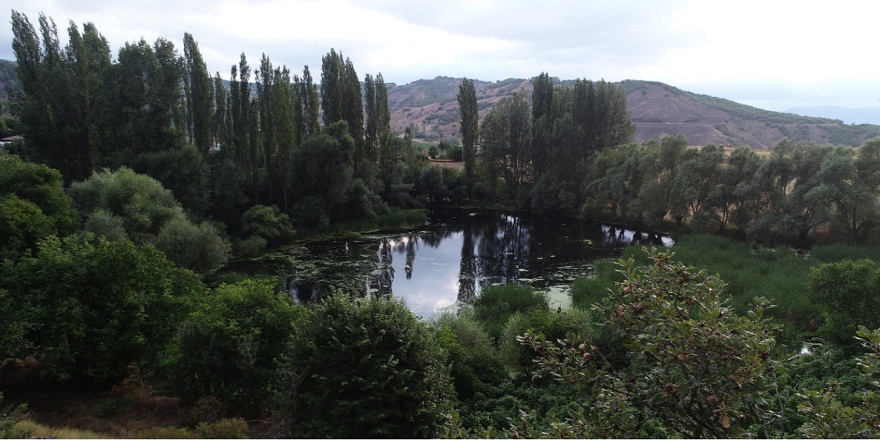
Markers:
<point>657,110</point>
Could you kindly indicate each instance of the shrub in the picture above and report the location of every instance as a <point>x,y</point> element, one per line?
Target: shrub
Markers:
<point>475,365</point>
<point>227,349</point>
<point>94,307</point>
<point>365,368</point>
<point>268,223</point>
<point>198,248</point>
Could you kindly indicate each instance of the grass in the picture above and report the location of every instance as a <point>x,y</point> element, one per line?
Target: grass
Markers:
<point>496,304</point>
<point>30,429</point>
<point>779,274</point>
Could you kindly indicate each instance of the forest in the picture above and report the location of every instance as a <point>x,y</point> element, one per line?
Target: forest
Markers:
<point>141,175</point>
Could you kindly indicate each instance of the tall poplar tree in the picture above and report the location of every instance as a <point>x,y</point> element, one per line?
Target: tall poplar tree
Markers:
<point>200,96</point>
<point>470,125</point>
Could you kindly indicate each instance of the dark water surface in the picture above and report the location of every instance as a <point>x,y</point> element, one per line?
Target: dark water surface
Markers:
<point>457,254</point>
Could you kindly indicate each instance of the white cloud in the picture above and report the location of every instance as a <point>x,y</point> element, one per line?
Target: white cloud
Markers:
<point>809,49</point>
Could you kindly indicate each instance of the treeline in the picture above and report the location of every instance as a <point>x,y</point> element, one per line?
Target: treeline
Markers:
<point>220,150</point>
<point>571,151</point>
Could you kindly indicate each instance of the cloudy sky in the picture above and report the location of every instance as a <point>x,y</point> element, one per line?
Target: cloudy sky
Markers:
<point>767,53</point>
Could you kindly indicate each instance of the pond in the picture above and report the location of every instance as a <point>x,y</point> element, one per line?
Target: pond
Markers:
<point>451,259</point>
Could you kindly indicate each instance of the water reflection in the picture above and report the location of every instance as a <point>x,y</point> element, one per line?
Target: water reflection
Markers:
<point>457,255</point>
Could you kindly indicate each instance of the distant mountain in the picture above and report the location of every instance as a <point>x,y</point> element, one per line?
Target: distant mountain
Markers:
<point>657,110</point>
<point>866,115</point>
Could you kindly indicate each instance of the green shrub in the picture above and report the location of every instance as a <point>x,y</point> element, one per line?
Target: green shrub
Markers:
<point>475,365</point>
<point>268,223</point>
<point>198,248</point>
<point>365,368</point>
<point>94,307</point>
<point>227,349</point>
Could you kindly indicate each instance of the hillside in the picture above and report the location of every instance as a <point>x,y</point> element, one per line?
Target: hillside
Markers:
<point>657,110</point>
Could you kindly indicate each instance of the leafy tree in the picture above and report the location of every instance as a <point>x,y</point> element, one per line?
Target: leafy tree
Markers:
<point>371,363</point>
<point>691,362</point>
<point>94,307</point>
<point>267,222</point>
<point>851,191</point>
<point>850,292</point>
<point>228,346</point>
<point>199,248</point>
<point>828,417</point>
<point>32,203</point>
<point>141,201</point>
<point>505,134</point>
<point>470,125</point>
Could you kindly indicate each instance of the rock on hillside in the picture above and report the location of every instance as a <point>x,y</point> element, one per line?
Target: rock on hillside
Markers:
<point>657,110</point>
<point>431,105</point>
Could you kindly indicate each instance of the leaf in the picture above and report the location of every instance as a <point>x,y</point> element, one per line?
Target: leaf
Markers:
<point>725,421</point>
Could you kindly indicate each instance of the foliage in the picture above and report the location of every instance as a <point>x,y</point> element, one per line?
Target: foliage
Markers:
<point>371,363</point>
<point>197,248</point>
<point>474,363</point>
<point>224,428</point>
<point>93,307</point>
<point>32,205</point>
<point>496,304</point>
<point>693,364</point>
<point>228,346</point>
<point>850,292</point>
<point>140,201</point>
<point>828,417</point>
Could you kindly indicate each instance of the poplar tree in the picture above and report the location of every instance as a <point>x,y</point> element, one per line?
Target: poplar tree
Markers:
<point>470,120</point>
<point>199,96</point>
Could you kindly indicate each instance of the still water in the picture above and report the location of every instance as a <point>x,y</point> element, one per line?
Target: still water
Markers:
<point>457,254</point>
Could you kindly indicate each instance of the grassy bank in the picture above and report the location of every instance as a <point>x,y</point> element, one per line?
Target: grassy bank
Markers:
<point>779,274</point>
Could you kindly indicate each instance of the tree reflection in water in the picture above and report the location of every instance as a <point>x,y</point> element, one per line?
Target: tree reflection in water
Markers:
<point>458,254</point>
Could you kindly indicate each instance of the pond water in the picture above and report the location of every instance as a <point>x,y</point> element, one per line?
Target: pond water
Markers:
<point>448,261</point>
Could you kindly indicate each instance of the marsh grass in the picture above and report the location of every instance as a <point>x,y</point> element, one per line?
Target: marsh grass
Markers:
<point>589,290</point>
<point>496,304</point>
<point>750,271</point>
<point>28,428</point>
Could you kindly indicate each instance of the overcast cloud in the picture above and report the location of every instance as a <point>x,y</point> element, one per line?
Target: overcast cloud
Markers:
<point>771,54</point>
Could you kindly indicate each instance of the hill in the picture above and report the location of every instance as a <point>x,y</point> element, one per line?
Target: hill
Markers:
<point>657,110</point>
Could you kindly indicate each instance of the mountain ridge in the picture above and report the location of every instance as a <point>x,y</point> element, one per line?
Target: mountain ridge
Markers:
<point>657,110</point>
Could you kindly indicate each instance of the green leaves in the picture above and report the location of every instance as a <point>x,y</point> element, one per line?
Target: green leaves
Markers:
<point>368,362</point>
<point>691,362</point>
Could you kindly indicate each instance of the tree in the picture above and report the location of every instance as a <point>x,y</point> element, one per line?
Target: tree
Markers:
<point>227,348</point>
<point>200,96</point>
<point>850,292</point>
<point>470,125</point>
<point>505,134</point>
<point>199,248</point>
<point>33,205</point>
<point>691,362</point>
<point>95,307</point>
<point>149,213</point>
<point>371,363</point>
<point>542,123</point>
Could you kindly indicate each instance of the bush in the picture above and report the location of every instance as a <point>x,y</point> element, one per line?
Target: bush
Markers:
<point>227,349</point>
<point>94,307</point>
<point>475,365</point>
<point>365,368</point>
<point>198,248</point>
<point>268,223</point>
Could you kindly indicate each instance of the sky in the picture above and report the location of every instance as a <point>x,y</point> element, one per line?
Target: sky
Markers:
<point>771,54</point>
